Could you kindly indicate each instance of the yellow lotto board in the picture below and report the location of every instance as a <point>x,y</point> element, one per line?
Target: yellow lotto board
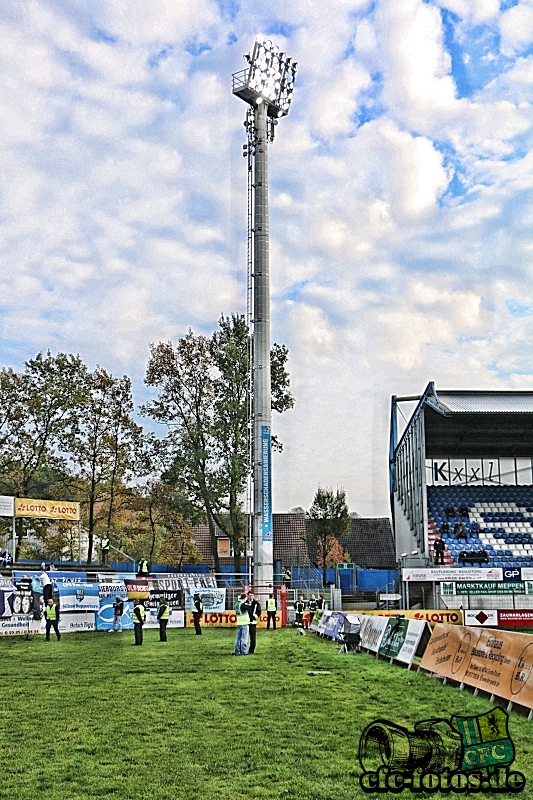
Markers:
<point>227,619</point>
<point>431,615</point>
<point>47,509</point>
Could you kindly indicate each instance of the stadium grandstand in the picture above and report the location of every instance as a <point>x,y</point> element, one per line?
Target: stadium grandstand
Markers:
<point>463,467</point>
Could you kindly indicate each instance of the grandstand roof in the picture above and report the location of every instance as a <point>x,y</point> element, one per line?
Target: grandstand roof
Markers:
<point>478,423</point>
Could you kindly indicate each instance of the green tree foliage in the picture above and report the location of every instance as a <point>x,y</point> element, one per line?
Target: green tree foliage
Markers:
<point>39,407</point>
<point>327,520</point>
<point>104,448</point>
<point>184,378</point>
<point>204,400</point>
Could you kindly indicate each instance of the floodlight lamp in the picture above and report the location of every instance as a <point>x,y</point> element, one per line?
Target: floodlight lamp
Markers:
<point>414,552</point>
<point>269,78</point>
<point>403,555</point>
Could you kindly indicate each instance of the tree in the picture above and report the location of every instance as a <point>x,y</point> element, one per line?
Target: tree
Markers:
<point>204,399</point>
<point>103,449</point>
<point>39,406</point>
<point>328,519</point>
<point>183,376</point>
<point>156,528</point>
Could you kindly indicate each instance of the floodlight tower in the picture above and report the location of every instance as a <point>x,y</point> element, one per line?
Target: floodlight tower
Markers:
<point>266,84</point>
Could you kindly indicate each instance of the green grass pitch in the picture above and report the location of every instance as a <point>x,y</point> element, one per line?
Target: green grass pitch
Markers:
<point>93,717</point>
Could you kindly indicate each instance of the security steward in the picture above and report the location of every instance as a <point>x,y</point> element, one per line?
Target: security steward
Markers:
<point>271,611</point>
<point>197,611</point>
<point>139,616</point>
<point>254,612</point>
<point>52,618</point>
<point>299,608</point>
<point>286,576</point>
<point>104,546</point>
<point>312,604</point>
<point>144,568</point>
<point>163,613</point>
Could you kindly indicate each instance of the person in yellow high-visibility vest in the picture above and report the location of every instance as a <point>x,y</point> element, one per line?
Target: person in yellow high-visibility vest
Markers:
<point>243,625</point>
<point>51,613</point>
<point>163,613</point>
<point>139,615</point>
<point>271,611</point>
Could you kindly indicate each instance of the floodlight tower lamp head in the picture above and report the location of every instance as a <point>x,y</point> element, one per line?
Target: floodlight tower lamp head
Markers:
<point>268,79</point>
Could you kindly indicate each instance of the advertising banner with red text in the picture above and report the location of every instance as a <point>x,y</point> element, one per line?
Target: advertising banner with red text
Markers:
<point>228,619</point>
<point>431,615</point>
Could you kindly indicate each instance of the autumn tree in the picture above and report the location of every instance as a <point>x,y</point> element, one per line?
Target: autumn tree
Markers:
<point>39,406</point>
<point>103,449</point>
<point>204,399</point>
<point>327,520</point>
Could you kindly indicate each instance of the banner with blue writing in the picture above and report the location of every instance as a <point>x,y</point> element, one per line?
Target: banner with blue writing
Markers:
<point>266,483</point>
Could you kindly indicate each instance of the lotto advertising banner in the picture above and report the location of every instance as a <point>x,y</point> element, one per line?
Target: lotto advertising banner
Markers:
<point>401,639</point>
<point>431,615</point>
<point>47,509</point>
<point>497,661</point>
<point>228,619</point>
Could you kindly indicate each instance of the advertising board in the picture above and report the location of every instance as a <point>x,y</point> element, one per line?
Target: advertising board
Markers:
<point>500,662</point>
<point>440,574</point>
<point>431,615</point>
<point>401,639</point>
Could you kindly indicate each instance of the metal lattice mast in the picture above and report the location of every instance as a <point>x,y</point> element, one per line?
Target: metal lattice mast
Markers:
<point>267,85</point>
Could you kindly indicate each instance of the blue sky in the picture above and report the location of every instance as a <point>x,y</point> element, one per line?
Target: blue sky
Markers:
<point>401,182</point>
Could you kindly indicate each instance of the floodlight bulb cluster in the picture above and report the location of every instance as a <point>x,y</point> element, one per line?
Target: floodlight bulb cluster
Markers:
<point>271,75</point>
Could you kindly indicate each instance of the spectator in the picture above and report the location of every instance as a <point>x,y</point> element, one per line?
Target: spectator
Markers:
<point>118,610</point>
<point>450,511</point>
<point>459,531</point>
<point>464,511</point>
<point>439,547</point>
<point>445,527</point>
<point>46,583</point>
<point>463,556</point>
<point>243,623</point>
<point>474,528</point>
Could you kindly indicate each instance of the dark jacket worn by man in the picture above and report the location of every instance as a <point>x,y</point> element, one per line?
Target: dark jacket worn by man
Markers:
<point>254,612</point>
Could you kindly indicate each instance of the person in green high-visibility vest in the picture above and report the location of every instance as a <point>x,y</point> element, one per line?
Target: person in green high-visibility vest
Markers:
<point>139,615</point>
<point>271,611</point>
<point>163,613</point>
<point>144,568</point>
<point>51,613</point>
<point>243,624</point>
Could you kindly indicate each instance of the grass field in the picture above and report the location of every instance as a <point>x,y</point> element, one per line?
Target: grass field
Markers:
<point>92,716</point>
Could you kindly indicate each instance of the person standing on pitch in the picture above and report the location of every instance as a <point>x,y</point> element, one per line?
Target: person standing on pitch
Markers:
<point>197,611</point>
<point>299,608</point>
<point>243,623</point>
<point>312,605</point>
<point>163,613</point>
<point>320,602</point>
<point>52,618</point>
<point>118,610</point>
<point>139,615</point>
<point>254,612</point>
<point>271,611</point>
